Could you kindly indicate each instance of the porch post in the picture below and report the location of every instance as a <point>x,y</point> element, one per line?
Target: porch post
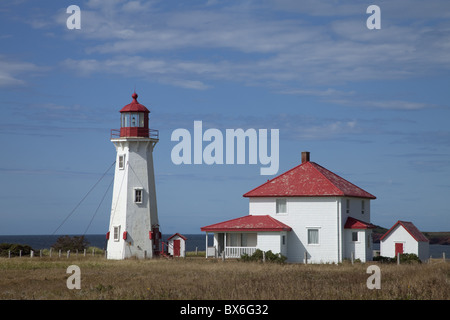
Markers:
<point>224,244</point>
<point>206,247</point>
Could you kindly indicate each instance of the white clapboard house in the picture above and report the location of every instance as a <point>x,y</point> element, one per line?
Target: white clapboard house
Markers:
<point>308,214</point>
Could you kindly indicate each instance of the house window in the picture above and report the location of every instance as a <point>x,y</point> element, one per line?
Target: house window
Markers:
<point>354,236</point>
<point>121,161</point>
<point>313,236</point>
<point>138,195</point>
<point>117,233</point>
<point>363,206</point>
<point>281,206</point>
<point>348,205</point>
<point>283,240</point>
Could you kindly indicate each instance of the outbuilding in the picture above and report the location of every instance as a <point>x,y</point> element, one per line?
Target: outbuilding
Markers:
<point>404,237</point>
<point>177,245</point>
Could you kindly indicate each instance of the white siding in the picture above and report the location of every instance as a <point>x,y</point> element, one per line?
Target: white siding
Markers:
<point>182,246</point>
<point>269,241</point>
<point>424,251</point>
<point>303,213</point>
<point>356,208</point>
<point>136,219</point>
<point>398,235</point>
<point>410,245</point>
<point>362,248</point>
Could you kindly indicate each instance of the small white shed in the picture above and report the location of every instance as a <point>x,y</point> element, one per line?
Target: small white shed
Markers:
<point>404,237</point>
<point>177,245</point>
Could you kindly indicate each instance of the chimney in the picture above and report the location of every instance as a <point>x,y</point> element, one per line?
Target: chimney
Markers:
<point>305,156</point>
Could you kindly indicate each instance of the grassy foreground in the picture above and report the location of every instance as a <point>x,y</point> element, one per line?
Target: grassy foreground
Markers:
<point>198,278</point>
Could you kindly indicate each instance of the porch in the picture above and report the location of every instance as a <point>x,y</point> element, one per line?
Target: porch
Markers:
<point>233,238</point>
<point>232,244</point>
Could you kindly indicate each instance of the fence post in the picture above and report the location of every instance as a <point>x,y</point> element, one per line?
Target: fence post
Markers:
<point>59,253</point>
<point>50,252</point>
<point>264,256</point>
<point>84,252</point>
<point>93,253</point>
<point>398,257</point>
<point>306,257</point>
<point>68,254</point>
<point>20,254</point>
<point>352,257</point>
<point>443,256</point>
<point>9,254</point>
<point>40,253</point>
<point>31,254</point>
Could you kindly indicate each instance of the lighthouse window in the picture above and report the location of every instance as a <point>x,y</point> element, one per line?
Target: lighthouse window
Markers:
<point>121,161</point>
<point>116,233</point>
<point>141,119</point>
<point>125,119</point>
<point>134,120</point>
<point>138,195</point>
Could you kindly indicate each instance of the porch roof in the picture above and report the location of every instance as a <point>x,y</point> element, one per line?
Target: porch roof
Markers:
<point>248,223</point>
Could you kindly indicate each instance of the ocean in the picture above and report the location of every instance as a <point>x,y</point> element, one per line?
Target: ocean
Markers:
<point>38,242</point>
<point>193,241</point>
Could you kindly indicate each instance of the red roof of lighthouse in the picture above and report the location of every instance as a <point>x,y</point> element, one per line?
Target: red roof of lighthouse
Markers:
<point>248,223</point>
<point>411,228</point>
<point>134,106</point>
<point>308,180</point>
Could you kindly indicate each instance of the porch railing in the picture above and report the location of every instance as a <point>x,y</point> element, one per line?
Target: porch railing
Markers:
<point>237,252</point>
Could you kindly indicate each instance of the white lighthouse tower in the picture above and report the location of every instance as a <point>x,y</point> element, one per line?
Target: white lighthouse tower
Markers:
<point>133,227</point>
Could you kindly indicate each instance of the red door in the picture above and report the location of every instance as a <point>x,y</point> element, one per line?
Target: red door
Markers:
<point>176,248</point>
<point>398,248</point>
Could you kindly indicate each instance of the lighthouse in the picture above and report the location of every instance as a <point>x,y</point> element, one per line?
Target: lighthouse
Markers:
<point>133,227</point>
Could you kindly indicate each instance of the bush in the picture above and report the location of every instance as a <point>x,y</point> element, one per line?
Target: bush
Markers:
<point>258,256</point>
<point>404,258</point>
<point>65,243</point>
<point>14,248</point>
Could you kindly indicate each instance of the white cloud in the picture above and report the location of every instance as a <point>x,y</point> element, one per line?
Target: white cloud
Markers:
<point>277,44</point>
<point>12,73</point>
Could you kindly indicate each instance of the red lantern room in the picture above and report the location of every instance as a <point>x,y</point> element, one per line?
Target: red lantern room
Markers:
<point>134,121</point>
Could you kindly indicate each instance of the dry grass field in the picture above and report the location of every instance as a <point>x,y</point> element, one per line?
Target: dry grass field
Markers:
<point>200,279</point>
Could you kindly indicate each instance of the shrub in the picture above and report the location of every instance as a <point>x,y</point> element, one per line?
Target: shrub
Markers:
<point>404,258</point>
<point>74,243</point>
<point>259,254</point>
<point>14,248</point>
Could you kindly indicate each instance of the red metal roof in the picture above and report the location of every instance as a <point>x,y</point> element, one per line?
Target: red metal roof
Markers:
<point>353,223</point>
<point>248,223</point>
<point>308,180</point>
<point>177,234</point>
<point>411,228</point>
<point>134,106</point>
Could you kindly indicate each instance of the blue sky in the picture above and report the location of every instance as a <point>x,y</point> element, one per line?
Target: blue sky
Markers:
<point>370,105</point>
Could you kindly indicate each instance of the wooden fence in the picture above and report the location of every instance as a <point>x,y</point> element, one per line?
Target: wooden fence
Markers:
<point>60,253</point>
